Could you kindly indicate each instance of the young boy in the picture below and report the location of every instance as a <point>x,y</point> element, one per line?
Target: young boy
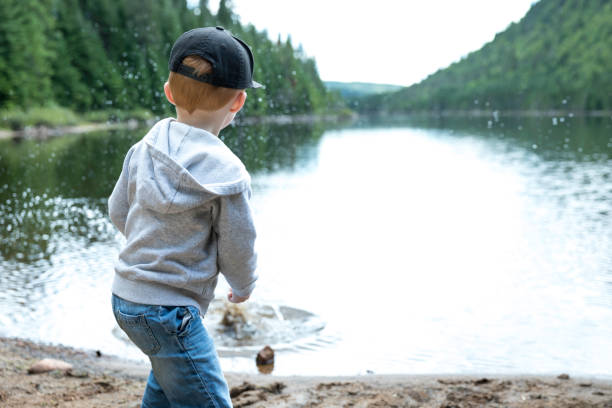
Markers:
<point>182,202</point>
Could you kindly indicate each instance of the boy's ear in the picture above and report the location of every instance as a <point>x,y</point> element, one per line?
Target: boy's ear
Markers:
<point>238,102</point>
<point>168,93</point>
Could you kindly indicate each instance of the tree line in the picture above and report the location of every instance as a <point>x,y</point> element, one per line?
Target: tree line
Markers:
<point>90,55</point>
<point>556,57</point>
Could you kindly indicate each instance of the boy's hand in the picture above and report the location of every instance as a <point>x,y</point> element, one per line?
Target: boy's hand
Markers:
<point>235,298</point>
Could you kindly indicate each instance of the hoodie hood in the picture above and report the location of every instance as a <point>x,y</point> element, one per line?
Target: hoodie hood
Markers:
<point>179,167</point>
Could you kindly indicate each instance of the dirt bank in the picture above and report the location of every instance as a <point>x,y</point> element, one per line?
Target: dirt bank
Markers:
<point>103,381</point>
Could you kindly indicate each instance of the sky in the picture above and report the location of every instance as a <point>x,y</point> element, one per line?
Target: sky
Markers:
<point>385,41</point>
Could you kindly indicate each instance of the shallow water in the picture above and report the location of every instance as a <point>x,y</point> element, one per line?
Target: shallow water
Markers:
<point>405,247</point>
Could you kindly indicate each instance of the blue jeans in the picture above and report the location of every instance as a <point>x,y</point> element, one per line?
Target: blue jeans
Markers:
<point>185,368</point>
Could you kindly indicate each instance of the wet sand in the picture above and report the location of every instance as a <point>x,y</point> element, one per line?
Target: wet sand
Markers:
<point>104,381</point>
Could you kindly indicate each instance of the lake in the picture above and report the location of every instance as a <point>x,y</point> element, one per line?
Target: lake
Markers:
<point>423,246</point>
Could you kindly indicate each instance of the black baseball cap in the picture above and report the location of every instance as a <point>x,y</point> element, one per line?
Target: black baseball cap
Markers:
<point>230,57</point>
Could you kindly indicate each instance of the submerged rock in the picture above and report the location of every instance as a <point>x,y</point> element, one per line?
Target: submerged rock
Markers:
<point>266,368</point>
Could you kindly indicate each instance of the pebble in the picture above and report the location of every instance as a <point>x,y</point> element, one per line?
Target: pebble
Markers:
<point>77,373</point>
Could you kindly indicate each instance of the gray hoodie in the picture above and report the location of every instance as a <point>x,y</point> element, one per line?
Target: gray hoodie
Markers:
<point>182,202</point>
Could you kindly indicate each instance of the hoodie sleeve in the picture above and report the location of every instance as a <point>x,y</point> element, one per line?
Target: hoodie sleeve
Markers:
<point>235,230</point>
<point>118,204</point>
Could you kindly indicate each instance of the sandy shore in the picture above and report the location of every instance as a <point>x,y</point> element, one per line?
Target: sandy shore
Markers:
<point>104,381</point>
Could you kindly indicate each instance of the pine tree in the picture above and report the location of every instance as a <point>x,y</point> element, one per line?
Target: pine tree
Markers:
<point>26,67</point>
<point>225,14</point>
<point>101,54</point>
<point>206,17</point>
<point>99,82</point>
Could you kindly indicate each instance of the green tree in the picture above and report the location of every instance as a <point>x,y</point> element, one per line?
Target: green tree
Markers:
<point>556,57</point>
<point>225,14</point>
<point>101,54</point>
<point>25,66</point>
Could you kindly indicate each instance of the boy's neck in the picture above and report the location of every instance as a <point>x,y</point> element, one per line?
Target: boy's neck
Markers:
<point>209,121</point>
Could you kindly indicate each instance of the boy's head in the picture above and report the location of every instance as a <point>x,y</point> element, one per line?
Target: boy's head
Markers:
<point>208,68</point>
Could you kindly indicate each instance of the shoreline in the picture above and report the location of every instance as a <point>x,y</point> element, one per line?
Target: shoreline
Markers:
<point>46,132</point>
<point>97,380</point>
<point>481,113</point>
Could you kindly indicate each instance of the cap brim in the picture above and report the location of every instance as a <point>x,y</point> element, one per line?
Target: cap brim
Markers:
<point>255,84</point>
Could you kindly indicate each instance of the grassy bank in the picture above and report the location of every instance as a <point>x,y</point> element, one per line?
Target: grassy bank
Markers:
<point>42,123</point>
<point>57,116</point>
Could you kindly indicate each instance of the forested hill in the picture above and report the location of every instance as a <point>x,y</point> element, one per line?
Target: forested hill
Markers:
<point>557,57</point>
<point>113,54</point>
<point>356,89</point>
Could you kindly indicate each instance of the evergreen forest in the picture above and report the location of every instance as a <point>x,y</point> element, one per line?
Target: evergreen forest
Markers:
<point>88,56</point>
<point>557,57</point>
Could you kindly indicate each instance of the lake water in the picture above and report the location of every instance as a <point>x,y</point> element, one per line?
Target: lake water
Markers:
<point>397,246</point>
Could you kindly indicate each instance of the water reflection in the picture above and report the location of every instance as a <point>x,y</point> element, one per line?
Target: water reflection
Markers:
<point>57,245</point>
<point>268,148</point>
<point>565,159</point>
<point>576,139</point>
<point>55,191</point>
<point>38,226</point>
<point>424,246</point>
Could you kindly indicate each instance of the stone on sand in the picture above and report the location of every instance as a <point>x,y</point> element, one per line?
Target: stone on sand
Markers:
<point>49,364</point>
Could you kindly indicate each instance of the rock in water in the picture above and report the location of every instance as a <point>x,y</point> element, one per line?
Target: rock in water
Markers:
<point>49,364</point>
<point>265,356</point>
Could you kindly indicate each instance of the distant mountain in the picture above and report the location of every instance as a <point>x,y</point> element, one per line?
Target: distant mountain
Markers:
<point>356,89</point>
<point>559,56</point>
